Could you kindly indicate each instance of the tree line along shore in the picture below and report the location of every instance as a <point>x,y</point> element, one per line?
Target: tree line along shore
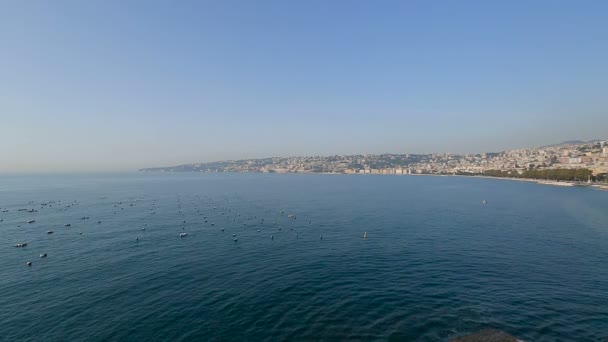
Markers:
<point>570,175</point>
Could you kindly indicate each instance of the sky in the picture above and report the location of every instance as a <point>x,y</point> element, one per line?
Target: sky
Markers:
<point>122,85</point>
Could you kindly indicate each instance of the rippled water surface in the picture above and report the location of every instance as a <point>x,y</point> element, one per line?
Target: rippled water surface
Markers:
<point>436,264</point>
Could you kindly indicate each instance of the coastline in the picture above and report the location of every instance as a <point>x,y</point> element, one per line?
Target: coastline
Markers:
<point>538,181</point>
<point>531,180</point>
<point>602,187</point>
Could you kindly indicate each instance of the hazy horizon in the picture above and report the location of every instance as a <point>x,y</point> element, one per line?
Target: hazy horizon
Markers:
<point>118,86</point>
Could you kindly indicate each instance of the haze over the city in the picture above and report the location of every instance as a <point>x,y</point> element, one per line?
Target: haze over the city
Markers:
<point>122,85</point>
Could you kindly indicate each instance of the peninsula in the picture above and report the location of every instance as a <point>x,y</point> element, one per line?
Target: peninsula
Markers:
<point>568,161</point>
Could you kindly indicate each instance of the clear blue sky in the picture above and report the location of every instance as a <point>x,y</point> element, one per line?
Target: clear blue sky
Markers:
<point>119,85</point>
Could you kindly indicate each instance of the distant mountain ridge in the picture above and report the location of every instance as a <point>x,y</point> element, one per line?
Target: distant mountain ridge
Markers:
<point>573,142</point>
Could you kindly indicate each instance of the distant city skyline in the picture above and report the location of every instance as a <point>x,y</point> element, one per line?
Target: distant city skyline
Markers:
<point>116,86</point>
<point>590,156</point>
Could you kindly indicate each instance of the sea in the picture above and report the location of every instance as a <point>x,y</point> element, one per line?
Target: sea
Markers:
<point>284,257</point>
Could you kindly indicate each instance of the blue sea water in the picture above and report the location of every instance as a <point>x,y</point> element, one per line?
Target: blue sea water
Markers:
<point>437,263</point>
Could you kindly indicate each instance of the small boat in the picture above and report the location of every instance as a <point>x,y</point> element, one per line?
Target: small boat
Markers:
<point>21,245</point>
<point>29,263</point>
<point>484,202</point>
<point>183,235</point>
<point>365,235</point>
<point>31,221</point>
<point>67,225</point>
<point>43,255</point>
<point>49,232</point>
